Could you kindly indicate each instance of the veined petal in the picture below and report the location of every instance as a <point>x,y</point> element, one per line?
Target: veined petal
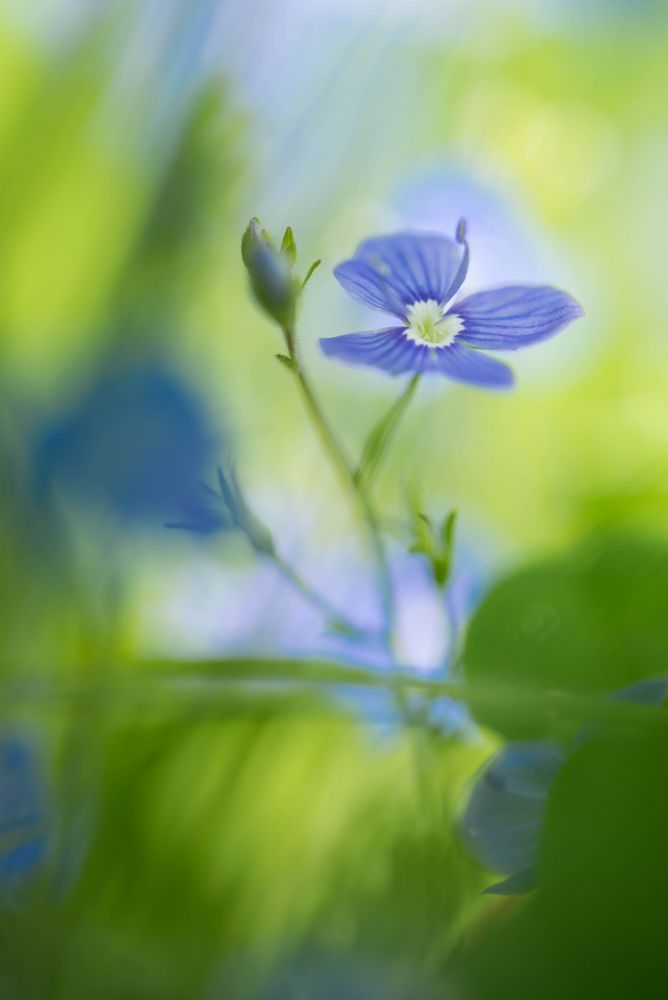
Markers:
<point>390,350</point>
<point>405,268</point>
<point>364,283</point>
<point>463,364</point>
<point>515,316</point>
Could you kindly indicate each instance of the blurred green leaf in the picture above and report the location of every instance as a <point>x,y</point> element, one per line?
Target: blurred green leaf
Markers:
<point>595,927</point>
<point>588,622</point>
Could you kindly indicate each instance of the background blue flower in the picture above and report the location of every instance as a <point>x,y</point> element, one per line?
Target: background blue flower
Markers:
<point>135,445</point>
<point>503,821</point>
<point>23,814</point>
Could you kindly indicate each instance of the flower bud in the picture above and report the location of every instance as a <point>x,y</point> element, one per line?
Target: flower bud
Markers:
<point>270,274</point>
<point>254,236</point>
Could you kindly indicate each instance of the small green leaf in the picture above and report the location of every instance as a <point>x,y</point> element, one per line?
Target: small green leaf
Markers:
<point>448,529</point>
<point>288,362</point>
<point>314,266</point>
<point>441,570</point>
<point>288,245</point>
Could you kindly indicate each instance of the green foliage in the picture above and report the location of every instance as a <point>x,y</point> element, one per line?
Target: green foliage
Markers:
<point>588,622</point>
<point>595,927</point>
<point>236,824</point>
<point>230,816</point>
<point>309,274</point>
<point>288,246</point>
<point>435,543</point>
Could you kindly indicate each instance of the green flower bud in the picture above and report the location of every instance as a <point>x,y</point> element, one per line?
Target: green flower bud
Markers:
<point>254,236</point>
<point>436,546</point>
<point>273,284</point>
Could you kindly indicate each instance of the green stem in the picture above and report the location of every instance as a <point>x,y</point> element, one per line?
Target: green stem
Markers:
<point>353,480</point>
<point>310,594</point>
<point>381,434</point>
<point>347,474</point>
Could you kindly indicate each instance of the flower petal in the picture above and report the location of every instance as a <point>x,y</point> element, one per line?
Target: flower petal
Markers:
<point>366,285</point>
<point>504,816</point>
<point>404,268</point>
<point>515,316</point>
<point>390,350</point>
<point>463,364</point>
<point>651,691</point>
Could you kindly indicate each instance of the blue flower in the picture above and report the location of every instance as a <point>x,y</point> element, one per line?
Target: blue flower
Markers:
<point>414,276</point>
<point>23,817</point>
<point>503,821</point>
<point>135,445</point>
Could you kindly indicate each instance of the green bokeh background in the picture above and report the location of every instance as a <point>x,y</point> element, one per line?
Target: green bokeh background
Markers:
<point>225,839</point>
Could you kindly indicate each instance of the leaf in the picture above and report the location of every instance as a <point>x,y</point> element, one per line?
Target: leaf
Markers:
<point>591,621</point>
<point>314,266</point>
<point>448,529</point>
<point>287,362</point>
<point>288,245</point>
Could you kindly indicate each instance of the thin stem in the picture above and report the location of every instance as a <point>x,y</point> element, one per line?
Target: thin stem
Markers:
<point>353,480</point>
<point>380,436</point>
<point>347,474</point>
<point>310,594</point>
<point>454,640</point>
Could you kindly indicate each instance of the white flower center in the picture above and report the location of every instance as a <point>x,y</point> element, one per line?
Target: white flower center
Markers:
<point>427,324</point>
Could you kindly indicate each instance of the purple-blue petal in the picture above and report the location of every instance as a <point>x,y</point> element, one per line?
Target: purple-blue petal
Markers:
<point>364,283</point>
<point>393,272</point>
<point>390,350</point>
<point>463,364</point>
<point>515,316</point>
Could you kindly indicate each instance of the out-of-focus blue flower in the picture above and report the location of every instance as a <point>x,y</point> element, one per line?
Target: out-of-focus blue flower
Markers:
<point>414,276</point>
<point>227,509</point>
<point>504,816</point>
<point>135,445</point>
<point>23,819</point>
<point>503,821</point>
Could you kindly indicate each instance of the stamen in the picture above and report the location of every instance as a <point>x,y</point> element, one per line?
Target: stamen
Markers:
<point>427,324</point>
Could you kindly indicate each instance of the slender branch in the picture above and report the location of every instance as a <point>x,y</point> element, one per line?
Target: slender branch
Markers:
<point>452,653</point>
<point>353,480</point>
<point>381,434</point>
<point>309,593</point>
<point>347,474</point>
